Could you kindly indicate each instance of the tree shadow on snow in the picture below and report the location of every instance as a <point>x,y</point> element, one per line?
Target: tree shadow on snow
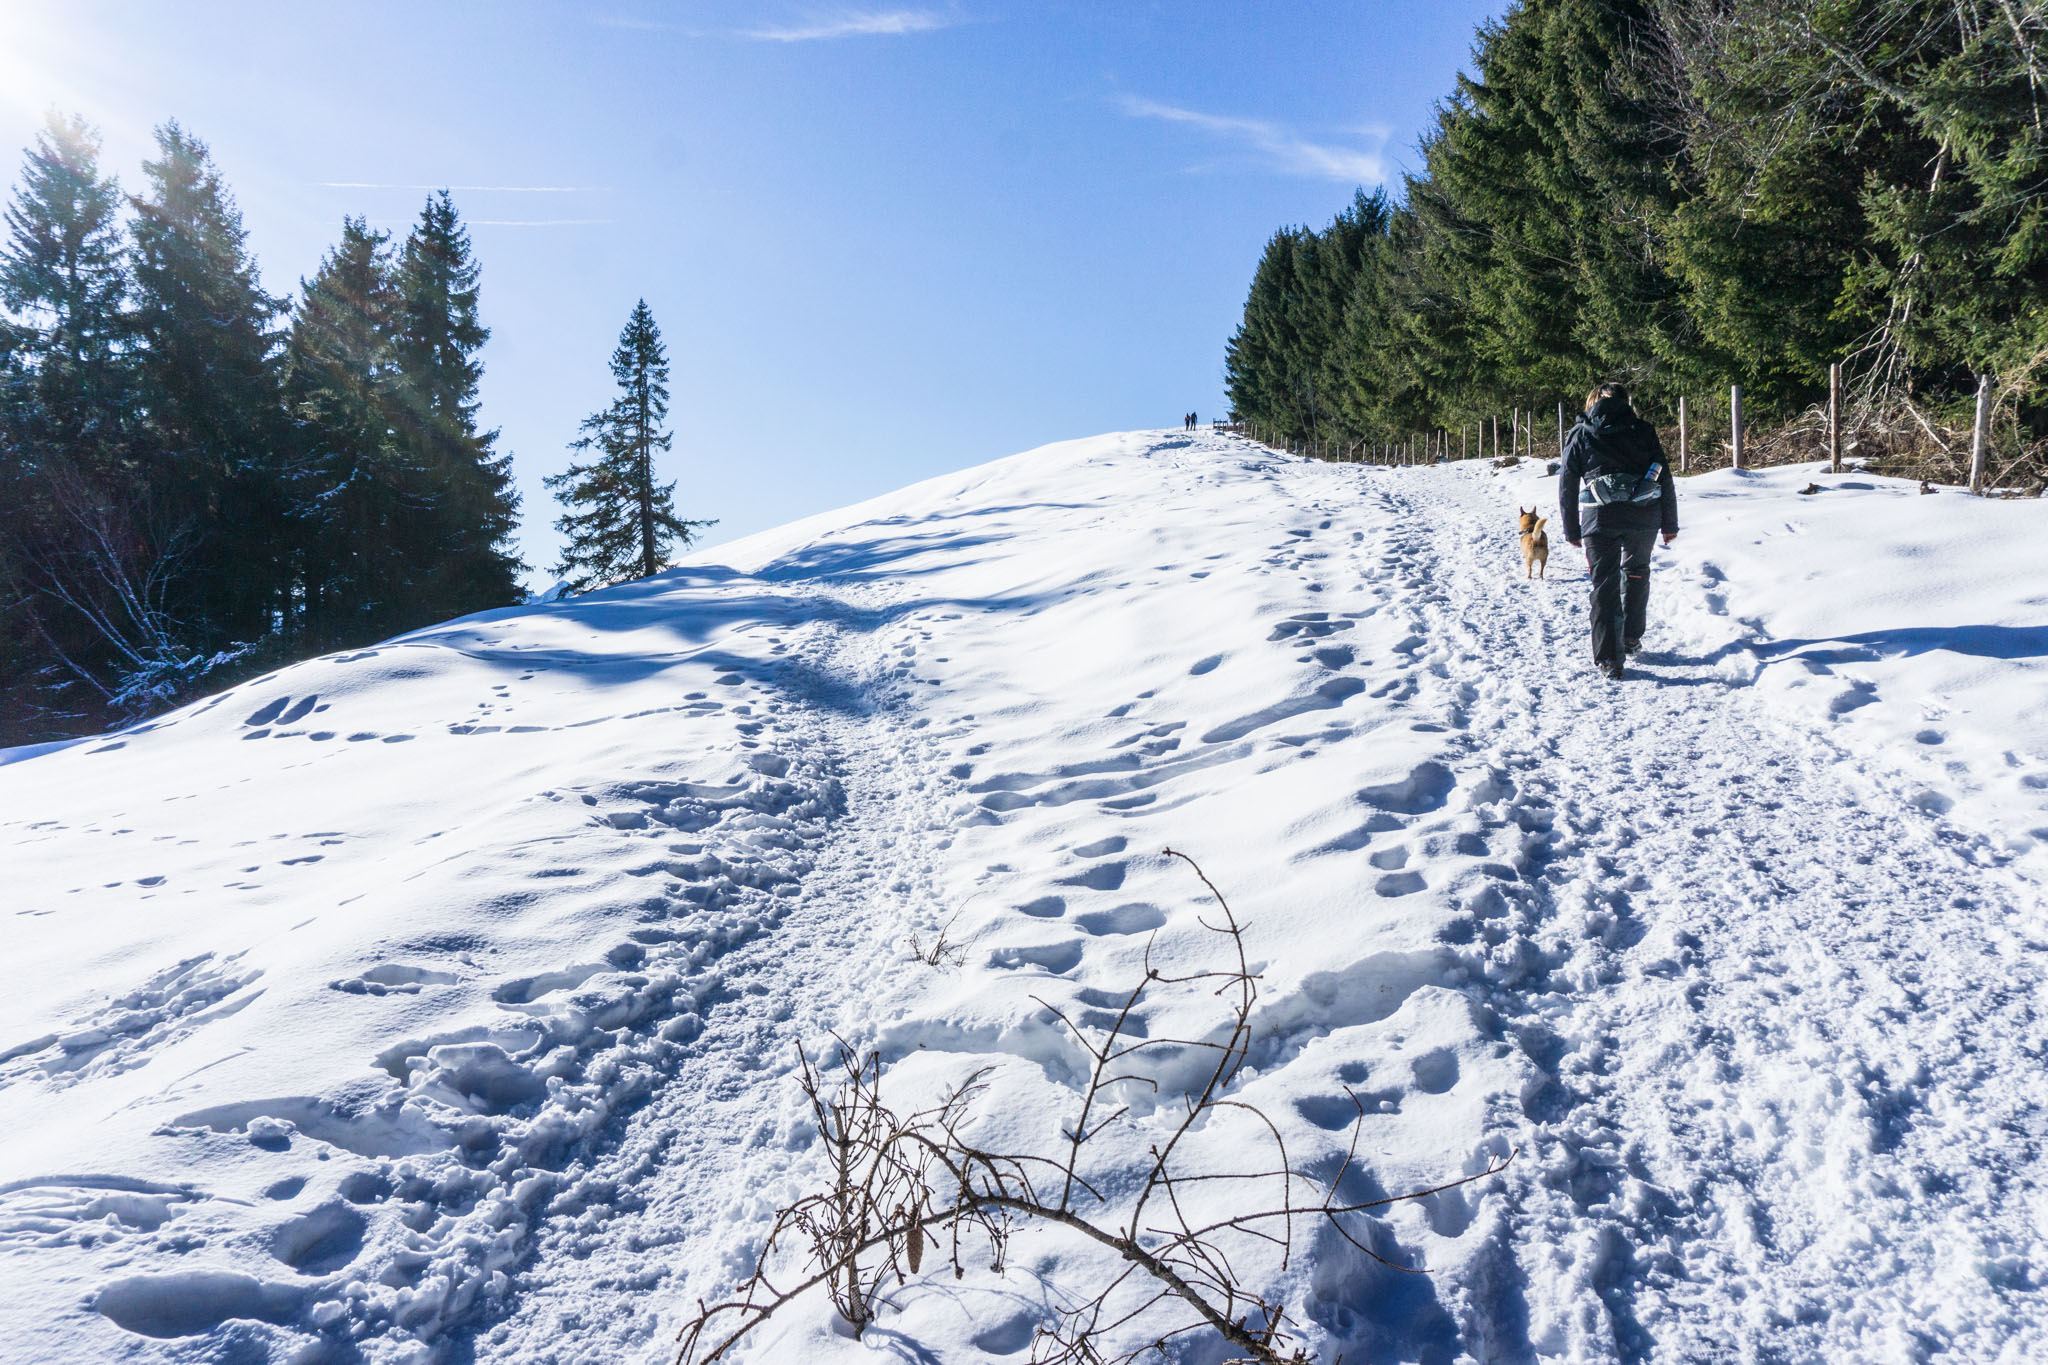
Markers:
<point>1373,1312</point>
<point>694,603</point>
<point>1979,642</point>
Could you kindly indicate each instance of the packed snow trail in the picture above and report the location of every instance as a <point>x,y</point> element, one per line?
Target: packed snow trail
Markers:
<point>1769,1009</point>
<point>439,1001</point>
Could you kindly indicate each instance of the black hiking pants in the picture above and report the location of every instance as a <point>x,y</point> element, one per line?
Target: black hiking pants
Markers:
<point>1620,565</point>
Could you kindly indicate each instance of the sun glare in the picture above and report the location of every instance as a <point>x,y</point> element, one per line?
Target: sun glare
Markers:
<point>33,57</point>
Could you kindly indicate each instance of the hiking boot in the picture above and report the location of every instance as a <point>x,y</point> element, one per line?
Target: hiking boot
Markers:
<point>1632,648</point>
<point>1614,669</point>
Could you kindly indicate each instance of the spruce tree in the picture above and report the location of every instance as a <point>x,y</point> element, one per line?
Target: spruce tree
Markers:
<point>1266,361</point>
<point>66,408</point>
<point>619,523</point>
<point>1687,193</point>
<point>351,493</point>
<point>207,366</point>
<point>459,543</point>
<point>64,281</point>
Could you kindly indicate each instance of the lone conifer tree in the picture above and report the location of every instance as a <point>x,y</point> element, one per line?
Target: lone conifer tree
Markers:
<point>620,523</point>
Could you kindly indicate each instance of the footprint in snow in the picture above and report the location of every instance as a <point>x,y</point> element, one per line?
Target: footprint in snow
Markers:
<point>1102,877</point>
<point>1134,918</point>
<point>1057,958</point>
<point>1435,1071</point>
<point>320,1242</point>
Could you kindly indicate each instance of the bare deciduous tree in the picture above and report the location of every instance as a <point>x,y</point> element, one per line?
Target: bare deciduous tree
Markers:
<point>103,572</point>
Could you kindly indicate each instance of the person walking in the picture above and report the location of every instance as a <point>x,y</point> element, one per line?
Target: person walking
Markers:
<point>1615,494</point>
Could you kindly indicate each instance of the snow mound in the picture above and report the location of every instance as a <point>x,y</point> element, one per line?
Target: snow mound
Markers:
<point>439,1000</point>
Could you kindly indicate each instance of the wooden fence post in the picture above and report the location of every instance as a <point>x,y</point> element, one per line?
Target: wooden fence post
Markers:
<point>1835,418</point>
<point>1684,446</point>
<point>1980,433</point>
<point>1735,424</point>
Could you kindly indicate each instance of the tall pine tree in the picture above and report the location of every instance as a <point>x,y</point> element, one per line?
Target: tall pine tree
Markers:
<point>213,421</point>
<point>66,407</point>
<point>461,542</point>
<point>64,281</point>
<point>620,523</point>
<point>351,490</point>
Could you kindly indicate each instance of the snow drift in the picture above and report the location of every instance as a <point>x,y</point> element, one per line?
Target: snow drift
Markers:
<point>438,1000</point>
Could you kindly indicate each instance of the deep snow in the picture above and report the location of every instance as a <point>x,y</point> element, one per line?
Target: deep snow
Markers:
<point>437,1001</point>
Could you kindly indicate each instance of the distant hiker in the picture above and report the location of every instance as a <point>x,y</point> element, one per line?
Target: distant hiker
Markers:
<point>1614,464</point>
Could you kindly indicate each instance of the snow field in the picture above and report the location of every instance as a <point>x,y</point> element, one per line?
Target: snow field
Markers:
<point>439,1001</point>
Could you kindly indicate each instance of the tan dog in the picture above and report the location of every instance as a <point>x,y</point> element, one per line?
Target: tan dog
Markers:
<point>1535,545</point>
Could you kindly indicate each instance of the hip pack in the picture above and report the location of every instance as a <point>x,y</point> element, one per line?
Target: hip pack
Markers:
<point>1602,489</point>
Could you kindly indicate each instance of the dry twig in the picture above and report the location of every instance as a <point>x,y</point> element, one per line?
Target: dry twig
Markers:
<point>898,1184</point>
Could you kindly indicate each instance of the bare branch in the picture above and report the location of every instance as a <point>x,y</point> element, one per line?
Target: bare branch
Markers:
<point>893,1182</point>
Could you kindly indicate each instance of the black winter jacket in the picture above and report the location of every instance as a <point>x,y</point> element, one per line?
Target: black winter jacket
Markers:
<point>1608,439</point>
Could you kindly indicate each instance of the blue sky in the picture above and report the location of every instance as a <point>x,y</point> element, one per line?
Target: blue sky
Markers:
<point>882,241</point>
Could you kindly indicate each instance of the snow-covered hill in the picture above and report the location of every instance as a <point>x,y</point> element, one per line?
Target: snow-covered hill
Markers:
<point>438,1001</point>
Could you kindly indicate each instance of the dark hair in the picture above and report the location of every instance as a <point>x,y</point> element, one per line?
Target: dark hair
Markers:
<point>1608,389</point>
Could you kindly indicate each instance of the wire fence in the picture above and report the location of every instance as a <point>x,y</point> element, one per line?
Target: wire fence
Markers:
<point>1990,455</point>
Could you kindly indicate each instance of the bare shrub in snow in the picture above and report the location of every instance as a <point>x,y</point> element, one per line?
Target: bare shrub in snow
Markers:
<point>1189,1230</point>
<point>942,951</point>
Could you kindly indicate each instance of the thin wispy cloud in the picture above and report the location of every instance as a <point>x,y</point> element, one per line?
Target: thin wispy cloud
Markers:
<point>538,222</point>
<point>461,189</point>
<point>1280,148</point>
<point>502,222</point>
<point>891,23</point>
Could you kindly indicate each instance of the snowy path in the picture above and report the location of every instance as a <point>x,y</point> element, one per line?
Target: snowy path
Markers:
<point>1753,1082</point>
<point>1787,1037</point>
<point>438,1001</point>
<point>690,1166</point>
